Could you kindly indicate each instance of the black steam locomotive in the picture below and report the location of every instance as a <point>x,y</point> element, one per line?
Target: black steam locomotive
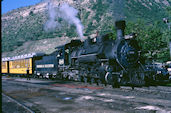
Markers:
<point>99,60</point>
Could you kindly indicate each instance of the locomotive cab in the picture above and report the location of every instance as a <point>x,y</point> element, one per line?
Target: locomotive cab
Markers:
<point>64,52</point>
<point>62,56</point>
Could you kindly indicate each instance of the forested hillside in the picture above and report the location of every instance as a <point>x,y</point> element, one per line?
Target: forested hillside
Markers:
<point>25,26</point>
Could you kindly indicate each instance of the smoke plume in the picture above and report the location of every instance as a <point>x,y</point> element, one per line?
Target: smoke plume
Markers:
<point>67,13</point>
<point>51,24</point>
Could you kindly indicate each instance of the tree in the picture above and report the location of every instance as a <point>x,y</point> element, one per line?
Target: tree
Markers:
<point>167,32</point>
<point>151,39</point>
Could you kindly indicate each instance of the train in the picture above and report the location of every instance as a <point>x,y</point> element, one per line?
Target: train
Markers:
<point>18,65</point>
<point>100,60</point>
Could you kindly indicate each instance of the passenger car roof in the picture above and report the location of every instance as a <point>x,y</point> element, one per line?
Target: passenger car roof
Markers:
<point>30,55</point>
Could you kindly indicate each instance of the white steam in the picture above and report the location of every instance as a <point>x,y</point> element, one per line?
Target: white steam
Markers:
<point>67,13</point>
<point>51,24</point>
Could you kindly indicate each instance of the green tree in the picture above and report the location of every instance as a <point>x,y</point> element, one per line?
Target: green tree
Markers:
<point>167,30</point>
<point>151,39</point>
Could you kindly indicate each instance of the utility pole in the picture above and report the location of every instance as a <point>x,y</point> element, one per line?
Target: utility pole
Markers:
<point>166,21</point>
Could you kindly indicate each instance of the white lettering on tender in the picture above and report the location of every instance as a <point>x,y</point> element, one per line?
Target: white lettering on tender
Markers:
<point>45,66</point>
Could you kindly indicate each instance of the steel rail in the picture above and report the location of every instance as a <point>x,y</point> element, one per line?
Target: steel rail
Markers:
<point>20,104</point>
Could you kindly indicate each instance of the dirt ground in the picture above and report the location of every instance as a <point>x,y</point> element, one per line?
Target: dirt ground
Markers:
<point>47,96</point>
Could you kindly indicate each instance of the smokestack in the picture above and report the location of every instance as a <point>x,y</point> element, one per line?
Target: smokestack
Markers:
<point>120,27</point>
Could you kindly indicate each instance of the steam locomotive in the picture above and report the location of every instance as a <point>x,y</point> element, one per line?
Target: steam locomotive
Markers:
<point>100,60</point>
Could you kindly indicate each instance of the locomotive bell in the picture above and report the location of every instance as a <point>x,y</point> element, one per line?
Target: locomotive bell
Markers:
<point>120,27</point>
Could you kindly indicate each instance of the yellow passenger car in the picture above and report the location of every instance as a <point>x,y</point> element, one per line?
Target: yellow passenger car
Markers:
<point>5,65</point>
<point>20,64</point>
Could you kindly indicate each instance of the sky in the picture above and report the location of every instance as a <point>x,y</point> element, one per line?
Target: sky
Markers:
<point>8,5</point>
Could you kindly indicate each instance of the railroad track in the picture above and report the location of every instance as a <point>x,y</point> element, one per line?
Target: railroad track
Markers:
<point>77,84</point>
<point>18,103</point>
<point>105,96</point>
